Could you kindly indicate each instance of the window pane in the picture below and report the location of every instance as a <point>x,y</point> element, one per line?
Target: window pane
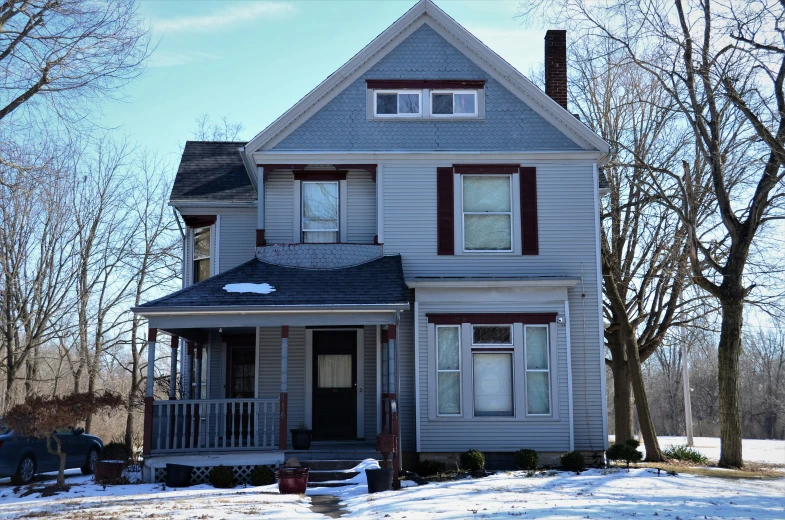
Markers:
<point>487,232</point>
<point>335,371</point>
<point>442,104</point>
<point>386,103</point>
<point>201,243</point>
<point>536,348</point>
<point>201,270</point>
<point>320,237</point>
<point>320,205</point>
<point>482,335</point>
<point>493,384</point>
<point>408,103</point>
<point>449,389</point>
<point>464,103</point>
<point>537,392</point>
<point>486,193</point>
<point>448,346</point>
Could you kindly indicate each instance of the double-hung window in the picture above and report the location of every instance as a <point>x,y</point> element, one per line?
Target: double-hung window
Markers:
<point>492,349</point>
<point>448,370</point>
<point>454,103</point>
<point>487,212</point>
<point>201,254</point>
<point>397,103</point>
<point>538,399</point>
<point>320,220</point>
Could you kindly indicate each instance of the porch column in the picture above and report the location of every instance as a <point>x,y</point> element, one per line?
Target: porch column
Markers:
<point>189,370</point>
<point>282,428</point>
<point>385,379</point>
<point>391,333</point>
<point>147,438</point>
<point>173,369</point>
<point>391,376</point>
<point>198,392</point>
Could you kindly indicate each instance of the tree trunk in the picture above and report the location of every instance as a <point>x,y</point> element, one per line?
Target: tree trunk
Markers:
<point>59,453</point>
<point>622,399</point>
<point>129,428</point>
<point>653,452</point>
<point>88,423</point>
<point>728,355</point>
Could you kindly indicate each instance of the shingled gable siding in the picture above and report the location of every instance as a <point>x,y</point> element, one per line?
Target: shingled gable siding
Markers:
<point>509,123</point>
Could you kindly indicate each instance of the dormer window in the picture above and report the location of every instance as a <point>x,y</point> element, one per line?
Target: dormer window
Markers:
<point>398,103</point>
<point>320,212</point>
<point>201,254</point>
<point>461,103</point>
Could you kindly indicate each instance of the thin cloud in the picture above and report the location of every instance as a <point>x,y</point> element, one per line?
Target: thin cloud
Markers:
<point>161,59</point>
<point>224,18</point>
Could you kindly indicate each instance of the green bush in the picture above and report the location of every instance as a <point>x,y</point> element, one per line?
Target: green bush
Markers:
<point>262,476</point>
<point>472,460</point>
<point>429,467</point>
<point>684,452</point>
<point>526,459</point>
<point>572,461</point>
<point>626,451</point>
<point>114,451</point>
<point>222,477</point>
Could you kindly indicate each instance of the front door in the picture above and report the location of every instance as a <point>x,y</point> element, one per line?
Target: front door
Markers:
<point>334,384</point>
<point>240,380</point>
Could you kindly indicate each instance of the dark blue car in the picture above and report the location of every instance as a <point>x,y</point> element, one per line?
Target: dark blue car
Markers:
<point>21,458</point>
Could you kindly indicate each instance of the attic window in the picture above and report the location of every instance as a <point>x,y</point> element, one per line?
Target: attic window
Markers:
<point>462,103</point>
<point>400,103</point>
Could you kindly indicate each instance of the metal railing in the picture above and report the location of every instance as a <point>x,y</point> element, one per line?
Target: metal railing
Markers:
<point>215,424</point>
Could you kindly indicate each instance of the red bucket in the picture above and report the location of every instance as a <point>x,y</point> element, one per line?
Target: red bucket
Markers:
<point>292,481</point>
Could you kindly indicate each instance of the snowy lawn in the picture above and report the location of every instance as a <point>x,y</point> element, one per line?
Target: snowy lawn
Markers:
<point>753,450</point>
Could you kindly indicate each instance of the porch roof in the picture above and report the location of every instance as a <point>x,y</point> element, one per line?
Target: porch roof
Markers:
<point>378,284</point>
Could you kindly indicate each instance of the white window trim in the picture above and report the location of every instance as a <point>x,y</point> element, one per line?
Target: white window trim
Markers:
<point>526,370</point>
<point>337,230</point>
<point>494,345</point>
<point>476,112</point>
<point>511,213</point>
<point>398,92</point>
<point>485,351</point>
<point>459,371</point>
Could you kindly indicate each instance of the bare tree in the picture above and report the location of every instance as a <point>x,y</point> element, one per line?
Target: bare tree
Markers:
<point>222,130</point>
<point>763,365</point>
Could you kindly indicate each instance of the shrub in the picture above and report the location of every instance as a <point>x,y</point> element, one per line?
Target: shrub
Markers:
<point>429,467</point>
<point>526,459</point>
<point>114,451</point>
<point>684,452</point>
<point>473,460</point>
<point>572,461</point>
<point>626,451</point>
<point>262,476</point>
<point>222,477</point>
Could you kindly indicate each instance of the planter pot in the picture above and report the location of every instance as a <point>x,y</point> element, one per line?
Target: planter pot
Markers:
<point>301,439</point>
<point>110,470</point>
<point>292,481</point>
<point>178,475</point>
<point>379,479</point>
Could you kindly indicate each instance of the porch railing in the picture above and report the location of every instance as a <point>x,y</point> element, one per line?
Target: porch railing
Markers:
<point>215,424</point>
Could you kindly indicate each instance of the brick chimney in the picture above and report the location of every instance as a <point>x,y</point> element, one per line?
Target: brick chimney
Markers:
<point>556,66</point>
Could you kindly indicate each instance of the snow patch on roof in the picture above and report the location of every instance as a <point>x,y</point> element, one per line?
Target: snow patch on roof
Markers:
<point>256,288</point>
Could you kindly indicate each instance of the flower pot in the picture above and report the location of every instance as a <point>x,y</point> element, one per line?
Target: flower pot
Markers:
<point>109,470</point>
<point>292,481</point>
<point>379,479</point>
<point>178,475</point>
<point>301,438</point>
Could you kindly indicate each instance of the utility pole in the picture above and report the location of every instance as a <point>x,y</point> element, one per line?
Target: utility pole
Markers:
<point>686,378</point>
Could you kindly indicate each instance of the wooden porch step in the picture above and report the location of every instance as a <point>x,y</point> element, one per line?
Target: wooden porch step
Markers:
<point>328,484</point>
<point>330,475</point>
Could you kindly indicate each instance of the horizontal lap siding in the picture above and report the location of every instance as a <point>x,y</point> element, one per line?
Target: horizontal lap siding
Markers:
<point>490,435</point>
<point>237,238</point>
<point>279,208</point>
<point>361,208</point>
<point>567,240</point>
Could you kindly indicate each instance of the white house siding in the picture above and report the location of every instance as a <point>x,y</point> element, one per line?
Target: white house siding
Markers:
<point>236,237</point>
<point>406,396</point>
<point>279,208</point>
<point>361,208</point>
<point>487,434</point>
<point>567,246</point>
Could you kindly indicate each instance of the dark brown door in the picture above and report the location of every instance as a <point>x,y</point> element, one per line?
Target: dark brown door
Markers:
<point>334,384</point>
<point>240,368</point>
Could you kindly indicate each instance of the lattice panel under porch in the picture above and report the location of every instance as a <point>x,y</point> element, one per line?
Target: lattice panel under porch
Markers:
<point>201,474</point>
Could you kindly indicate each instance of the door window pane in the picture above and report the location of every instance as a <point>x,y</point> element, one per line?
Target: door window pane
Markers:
<point>335,370</point>
<point>320,212</point>
<point>448,370</point>
<point>493,384</point>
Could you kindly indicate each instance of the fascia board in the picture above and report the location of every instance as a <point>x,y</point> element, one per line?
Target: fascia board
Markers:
<point>271,309</point>
<point>481,284</point>
<point>180,203</point>
<point>250,168</point>
<point>358,156</point>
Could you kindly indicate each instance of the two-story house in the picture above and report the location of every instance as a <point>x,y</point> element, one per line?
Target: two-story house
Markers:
<point>413,247</point>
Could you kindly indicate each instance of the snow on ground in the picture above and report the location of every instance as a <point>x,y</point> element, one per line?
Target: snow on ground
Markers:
<point>753,450</point>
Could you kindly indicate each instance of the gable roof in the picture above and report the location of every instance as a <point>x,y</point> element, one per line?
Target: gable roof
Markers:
<point>379,282</point>
<point>212,171</point>
<point>425,11</point>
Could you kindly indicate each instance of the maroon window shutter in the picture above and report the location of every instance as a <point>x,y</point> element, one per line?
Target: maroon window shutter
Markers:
<point>529,233</point>
<point>445,212</point>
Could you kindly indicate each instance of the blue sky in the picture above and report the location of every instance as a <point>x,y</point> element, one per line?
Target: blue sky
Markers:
<point>252,60</point>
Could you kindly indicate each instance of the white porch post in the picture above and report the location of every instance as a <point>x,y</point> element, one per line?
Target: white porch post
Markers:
<point>198,391</point>
<point>147,438</point>
<point>173,369</point>
<point>189,369</point>
<point>284,387</point>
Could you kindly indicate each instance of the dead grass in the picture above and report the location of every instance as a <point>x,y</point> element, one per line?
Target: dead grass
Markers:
<point>750,471</point>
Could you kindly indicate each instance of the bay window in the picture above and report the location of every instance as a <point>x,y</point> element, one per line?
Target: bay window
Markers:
<point>201,254</point>
<point>320,220</point>
<point>448,370</point>
<point>487,212</point>
<point>538,399</point>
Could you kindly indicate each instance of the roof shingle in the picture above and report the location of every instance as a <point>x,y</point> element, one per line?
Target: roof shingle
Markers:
<point>212,171</point>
